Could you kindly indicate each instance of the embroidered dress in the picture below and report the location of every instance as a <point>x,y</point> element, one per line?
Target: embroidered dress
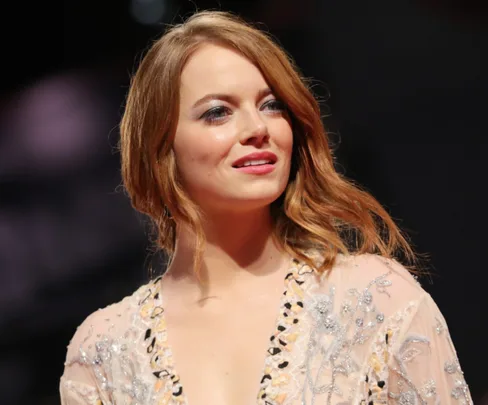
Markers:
<point>364,332</point>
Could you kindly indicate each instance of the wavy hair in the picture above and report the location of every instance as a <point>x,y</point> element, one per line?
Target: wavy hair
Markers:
<point>320,208</point>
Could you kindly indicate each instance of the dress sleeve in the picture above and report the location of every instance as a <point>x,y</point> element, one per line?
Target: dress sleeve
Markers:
<point>78,385</point>
<point>423,364</point>
<point>74,392</point>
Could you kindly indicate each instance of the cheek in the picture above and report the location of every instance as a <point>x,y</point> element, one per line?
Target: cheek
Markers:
<point>201,150</point>
<point>285,140</point>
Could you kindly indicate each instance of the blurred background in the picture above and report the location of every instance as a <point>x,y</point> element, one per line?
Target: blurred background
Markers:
<point>405,91</point>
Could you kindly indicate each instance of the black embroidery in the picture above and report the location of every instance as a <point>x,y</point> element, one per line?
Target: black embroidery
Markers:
<point>265,377</point>
<point>161,374</point>
<point>148,334</point>
<point>150,348</point>
<point>274,351</point>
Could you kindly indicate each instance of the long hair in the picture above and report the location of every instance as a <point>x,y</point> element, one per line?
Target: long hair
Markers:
<point>319,210</point>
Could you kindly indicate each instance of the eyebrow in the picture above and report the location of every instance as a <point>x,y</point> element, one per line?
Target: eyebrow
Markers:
<point>229,98</point>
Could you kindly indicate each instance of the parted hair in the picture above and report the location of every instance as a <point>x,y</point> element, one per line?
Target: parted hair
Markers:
<point>320,208</point>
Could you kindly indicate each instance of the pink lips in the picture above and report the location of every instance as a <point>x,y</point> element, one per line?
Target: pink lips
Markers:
<point>257,169</point>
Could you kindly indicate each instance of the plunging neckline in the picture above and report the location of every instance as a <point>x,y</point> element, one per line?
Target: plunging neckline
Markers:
<point>275,365</point>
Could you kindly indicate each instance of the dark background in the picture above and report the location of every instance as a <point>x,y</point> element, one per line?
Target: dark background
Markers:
<point>405,98</point>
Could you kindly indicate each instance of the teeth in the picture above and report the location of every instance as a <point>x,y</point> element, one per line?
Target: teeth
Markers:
<point>255,163</point>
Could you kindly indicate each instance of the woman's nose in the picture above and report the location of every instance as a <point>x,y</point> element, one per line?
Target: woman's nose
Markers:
<point>254,129</point>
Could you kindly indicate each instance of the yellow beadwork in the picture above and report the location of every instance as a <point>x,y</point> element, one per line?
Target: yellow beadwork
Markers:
<point>375,363</point>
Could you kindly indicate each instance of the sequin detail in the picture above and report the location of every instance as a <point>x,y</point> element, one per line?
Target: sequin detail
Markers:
<point>335,335</point>
<point>276,370</point>
<point>166,380</point>
<point>106,355</point>
<point>343,338</point>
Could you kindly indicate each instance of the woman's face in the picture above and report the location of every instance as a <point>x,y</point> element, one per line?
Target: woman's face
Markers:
<point>234,141</point>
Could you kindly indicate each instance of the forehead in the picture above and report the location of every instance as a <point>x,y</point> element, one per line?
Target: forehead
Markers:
<point>214,68</point>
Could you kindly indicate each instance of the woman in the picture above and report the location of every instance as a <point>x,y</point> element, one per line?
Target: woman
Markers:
<point>282,286</point>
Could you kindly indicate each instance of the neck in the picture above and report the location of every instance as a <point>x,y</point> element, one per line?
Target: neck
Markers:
<point>239,251</point>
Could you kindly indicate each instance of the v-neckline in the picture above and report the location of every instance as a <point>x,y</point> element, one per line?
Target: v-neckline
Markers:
<point>276,362</point>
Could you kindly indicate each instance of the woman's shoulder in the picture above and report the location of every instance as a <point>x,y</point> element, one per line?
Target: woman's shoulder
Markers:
<point>367,267</point>
<point>107,323</point>
<point>385,281</point>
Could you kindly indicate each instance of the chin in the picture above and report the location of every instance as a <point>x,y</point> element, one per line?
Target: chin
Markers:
<point>253,201</point>
<point>240,199</point>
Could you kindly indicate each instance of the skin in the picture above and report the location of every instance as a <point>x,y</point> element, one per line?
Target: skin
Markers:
<point>223,323</point>
<point>213,133</point>
<point>210,136</point>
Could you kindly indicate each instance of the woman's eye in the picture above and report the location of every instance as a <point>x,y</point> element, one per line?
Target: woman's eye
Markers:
<point>274,105</point>
<point>216,114</point>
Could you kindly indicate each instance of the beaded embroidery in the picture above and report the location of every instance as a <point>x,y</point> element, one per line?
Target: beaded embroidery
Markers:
<point>276,374</point>
<point>338,334</point>
<point>324,349</point>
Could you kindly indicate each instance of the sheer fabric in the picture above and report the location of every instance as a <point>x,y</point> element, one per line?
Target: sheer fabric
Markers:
<point>364,332</point>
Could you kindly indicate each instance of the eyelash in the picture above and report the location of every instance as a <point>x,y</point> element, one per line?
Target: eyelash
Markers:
<point>214,115</point>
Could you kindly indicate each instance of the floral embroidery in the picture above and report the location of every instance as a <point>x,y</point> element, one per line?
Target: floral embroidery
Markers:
<point>108,353</point>
<point>334,335</point>
<point>429,389</point>
<point>325,349</point>
<point>460,392</point>
<point>409,393</point>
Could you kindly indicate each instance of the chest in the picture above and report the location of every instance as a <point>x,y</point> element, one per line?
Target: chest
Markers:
<point>302,351</point>
<point>220,354</point>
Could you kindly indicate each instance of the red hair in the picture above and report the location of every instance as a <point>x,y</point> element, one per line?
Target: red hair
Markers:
<point>320,209</point>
